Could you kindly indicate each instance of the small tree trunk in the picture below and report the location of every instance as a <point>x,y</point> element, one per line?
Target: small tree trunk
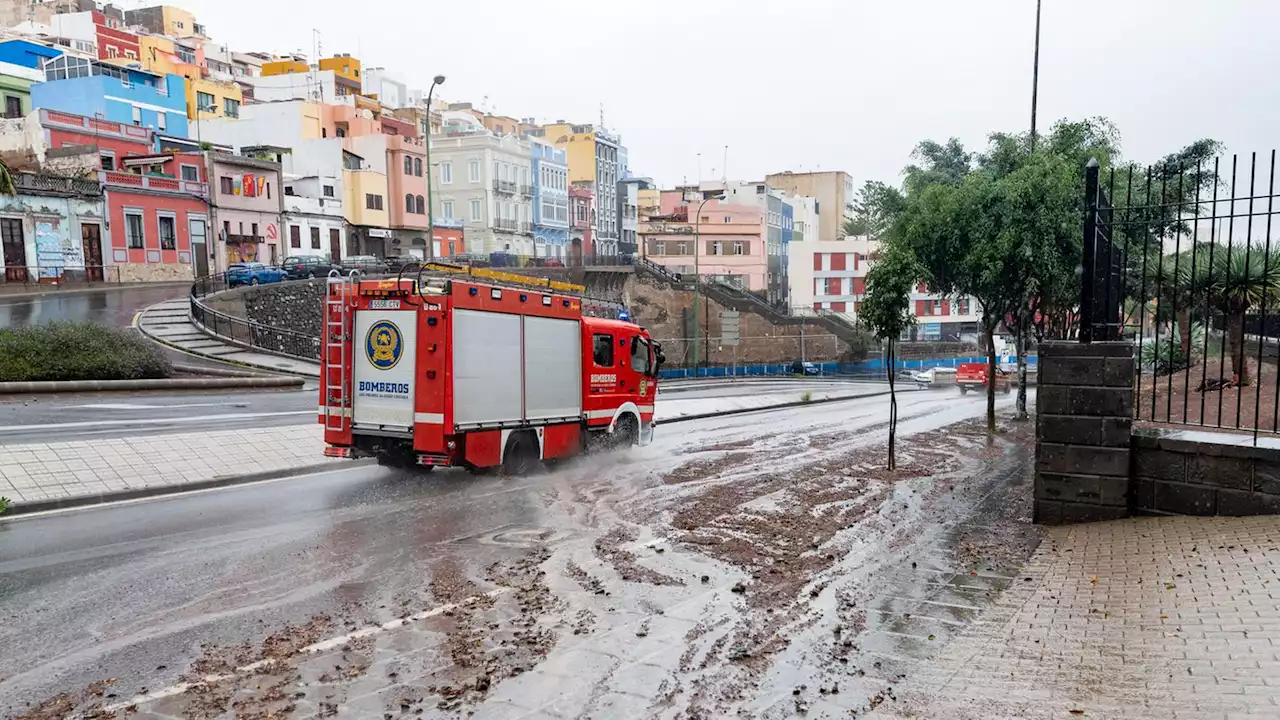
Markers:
<point>988,329</point>
<point>1022,364</point>
<point>893,406</point>
<point>1235,347</point>
<point>1184,330</point>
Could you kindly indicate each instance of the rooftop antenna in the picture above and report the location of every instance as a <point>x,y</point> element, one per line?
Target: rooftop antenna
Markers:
<point>724,168</point>
<point>314,91</point>
<point>602,116</point>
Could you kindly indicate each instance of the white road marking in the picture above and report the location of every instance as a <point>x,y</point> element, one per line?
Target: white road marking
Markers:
<point>129,406</point>
<point>154,421</point>
<point>316,647</point>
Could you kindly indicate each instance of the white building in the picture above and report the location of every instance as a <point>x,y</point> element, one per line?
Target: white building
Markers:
<point>803,245</point>
<point>389,90</point>
<point>485,181</point>
<point>313,216</point>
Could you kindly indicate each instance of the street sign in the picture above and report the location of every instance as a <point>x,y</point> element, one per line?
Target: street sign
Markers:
<point>729,327</point>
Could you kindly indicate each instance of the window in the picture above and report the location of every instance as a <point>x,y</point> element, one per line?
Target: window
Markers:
<point>408,202</point>
<point>268,189</point>
<point>422,205</point>
<point>137,115</point>
<point>254,229</point>
<point>231,107</point>
<point>131,54</point>
<point>328,191</point>
<point>659,248</point>
<point>12,106</point>
<point>962,306</point>
<point>728,218</point>
<point>162,121</point>
<point>715,248</point>
<point>477,210</point>
<point>682,248</point>
<point>133,231</point>
<point>205,102</point>
<point>295,236</point>
<point>446,173</point>
<point>473,171</point>
<point>225,185</point>
<point>446,207</point>
<point>191,173</point>
<point>408,165</point>
<point>112,52</point>
<point>935,307</point>
<point>315,238</point>
<point>602,349</point>
<point>373,202</point>
<point>739,247</point>
<point>417,167</point>
<point>639,356</point>
<point>108,162</point>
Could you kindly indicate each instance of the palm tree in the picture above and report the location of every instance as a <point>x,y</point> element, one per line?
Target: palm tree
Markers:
<point>7,186</point>
<point>1169,279</point>
<point>1239,278</point>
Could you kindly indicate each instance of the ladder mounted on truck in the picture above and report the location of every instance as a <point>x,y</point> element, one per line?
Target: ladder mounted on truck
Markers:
<point>335,346</point>
<point>515,281</point>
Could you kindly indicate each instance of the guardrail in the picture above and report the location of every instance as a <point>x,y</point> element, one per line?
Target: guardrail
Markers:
<point>242,331</point>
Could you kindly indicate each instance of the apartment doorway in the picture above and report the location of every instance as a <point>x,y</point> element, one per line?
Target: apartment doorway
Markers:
<point>335,245</point>
<point>91,246</point>
<point>199,232</point>
<point>13,250</point>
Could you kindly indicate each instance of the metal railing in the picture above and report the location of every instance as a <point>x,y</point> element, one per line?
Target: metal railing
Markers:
<point>242,331</point>
<point>59,277</point>
<point>1179,259</point>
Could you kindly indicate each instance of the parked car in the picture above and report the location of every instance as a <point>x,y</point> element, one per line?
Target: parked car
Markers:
<point>297,267</point>
<point>364,264</point>
<point>396,262</point>
<point>973,376</point>
<point>253,273</point>
<point>921,378</point>
<point>804,367</point>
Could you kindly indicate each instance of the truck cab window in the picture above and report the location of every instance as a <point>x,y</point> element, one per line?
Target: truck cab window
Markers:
<point>640,356</point>
<point>602,350</point>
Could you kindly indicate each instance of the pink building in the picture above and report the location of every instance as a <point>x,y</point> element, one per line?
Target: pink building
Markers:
<point>724,242</point>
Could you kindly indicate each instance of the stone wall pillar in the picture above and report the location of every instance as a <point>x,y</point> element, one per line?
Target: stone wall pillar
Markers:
<point>1084,415</point>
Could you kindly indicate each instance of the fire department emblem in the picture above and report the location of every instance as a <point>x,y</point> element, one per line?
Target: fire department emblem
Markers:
<point>384,345</point>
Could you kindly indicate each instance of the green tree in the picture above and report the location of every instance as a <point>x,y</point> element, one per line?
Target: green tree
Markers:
<point>1239,278</point>
<point>885,311</point>
<point>7,186</point>
<point>874,209</point>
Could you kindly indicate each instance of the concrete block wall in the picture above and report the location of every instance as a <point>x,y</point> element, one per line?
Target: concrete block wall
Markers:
<point>1084,419</point>
<point>1201,473</point>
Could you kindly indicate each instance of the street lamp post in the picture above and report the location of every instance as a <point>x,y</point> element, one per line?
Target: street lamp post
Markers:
<point>1035,78</point>
<point>697,275</point>
<point>431,196</point>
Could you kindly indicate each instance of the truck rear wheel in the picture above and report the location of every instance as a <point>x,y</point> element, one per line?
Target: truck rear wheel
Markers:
<point>626,432</point>
<point>964,390</point>
<point>521,456</point>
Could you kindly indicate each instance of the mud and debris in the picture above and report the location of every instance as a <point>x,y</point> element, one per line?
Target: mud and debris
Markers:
<point>763,575</point>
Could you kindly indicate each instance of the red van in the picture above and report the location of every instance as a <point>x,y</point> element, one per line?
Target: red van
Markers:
<point>973,376</point>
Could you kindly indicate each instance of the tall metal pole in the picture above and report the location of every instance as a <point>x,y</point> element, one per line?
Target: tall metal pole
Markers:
<point>431,196</point>
<point>697,276</point>
<point>1035,78</point>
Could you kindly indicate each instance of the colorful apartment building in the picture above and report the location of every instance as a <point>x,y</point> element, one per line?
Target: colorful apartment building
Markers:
<point>485,181</point>
<point>165,20</point>
<point>246,201</point>
<point>593,156</point>
<point>92,88</point>
<point>51,231</point>
<point>550,172</point>
<point>725,242</point>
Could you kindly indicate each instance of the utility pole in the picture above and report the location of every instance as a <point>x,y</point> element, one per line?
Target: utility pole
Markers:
<point>1035,78</point>
<point>697,274</point>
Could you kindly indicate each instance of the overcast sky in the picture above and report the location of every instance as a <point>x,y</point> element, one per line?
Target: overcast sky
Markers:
<point>810,84</point>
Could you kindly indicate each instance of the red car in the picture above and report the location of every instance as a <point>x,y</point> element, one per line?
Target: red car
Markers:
<point>973,376</point>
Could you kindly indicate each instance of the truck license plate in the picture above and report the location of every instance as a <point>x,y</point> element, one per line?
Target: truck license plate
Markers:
<point>384,304</point>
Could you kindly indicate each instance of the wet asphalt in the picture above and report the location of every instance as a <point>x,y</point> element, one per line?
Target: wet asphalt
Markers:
<point>109,305</point>
<point>132,591</point>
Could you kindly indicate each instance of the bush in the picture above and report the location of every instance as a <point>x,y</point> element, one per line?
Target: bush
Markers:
<point>1166,356</point>
<point>78,351</point>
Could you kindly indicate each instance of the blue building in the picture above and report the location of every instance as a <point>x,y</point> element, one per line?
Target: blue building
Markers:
<point>788,227</point>
<point>124,95</point>
<point>550,200</point>
<point>26,54</point>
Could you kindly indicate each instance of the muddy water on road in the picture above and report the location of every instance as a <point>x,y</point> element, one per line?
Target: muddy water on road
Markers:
<point>765,565</point>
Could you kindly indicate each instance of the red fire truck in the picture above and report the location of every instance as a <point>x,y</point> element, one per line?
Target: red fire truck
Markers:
<point>468,372</point>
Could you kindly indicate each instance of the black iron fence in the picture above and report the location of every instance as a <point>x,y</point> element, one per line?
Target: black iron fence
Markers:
<point>1180,259</point>
<point>242,331</point>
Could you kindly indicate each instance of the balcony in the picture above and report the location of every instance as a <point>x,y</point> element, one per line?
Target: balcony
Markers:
<point>504,187</point>
<point>506,225</point>
<point>27,182</point>
<point>526,190</point>
<point>154,183</point>
<point>236,238</point>
<point>526,228</point>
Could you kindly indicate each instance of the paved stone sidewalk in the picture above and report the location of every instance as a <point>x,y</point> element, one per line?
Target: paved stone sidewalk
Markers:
<point>170,323</point>
<point>33,473</point>
<point>1144,618</point>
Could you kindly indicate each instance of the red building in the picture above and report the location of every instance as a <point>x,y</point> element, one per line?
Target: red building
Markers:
<point>157,206</point>
<point>114,42</point>
<point>580,241</point>
<point>447,240</point>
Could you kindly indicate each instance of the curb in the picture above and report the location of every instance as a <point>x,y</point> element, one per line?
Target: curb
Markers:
<point>54,386</point>
<point>766,408</point>
<point>218,372</point>
<point>17,510</point>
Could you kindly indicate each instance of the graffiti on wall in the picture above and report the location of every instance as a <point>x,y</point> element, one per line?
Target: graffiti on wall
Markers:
<point>242,252</point>
<point>48,250</point>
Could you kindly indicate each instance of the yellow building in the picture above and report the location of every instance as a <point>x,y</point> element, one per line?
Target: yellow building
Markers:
<point>284,67</point>
<point>165,20</point>
<point>346,73</point>
<point>366,188</point>
<point>210,99</point>
<point>832,188</point>
<point>579,144</point>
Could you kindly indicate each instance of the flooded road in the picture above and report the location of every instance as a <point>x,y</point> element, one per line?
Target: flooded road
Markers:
<point>108,305</point>
<point>764,563</point>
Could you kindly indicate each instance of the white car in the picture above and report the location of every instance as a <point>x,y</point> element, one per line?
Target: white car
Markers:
<point>922,378</point>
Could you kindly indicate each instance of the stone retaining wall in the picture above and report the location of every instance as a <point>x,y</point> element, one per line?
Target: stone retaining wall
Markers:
<point>1202,473</point>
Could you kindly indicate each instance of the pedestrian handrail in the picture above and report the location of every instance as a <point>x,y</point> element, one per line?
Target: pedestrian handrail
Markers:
<point>246,332</point>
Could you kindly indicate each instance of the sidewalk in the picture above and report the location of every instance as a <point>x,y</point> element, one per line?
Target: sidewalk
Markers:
<point>1144,618</point>
<point>87,471</point>
<point>169,323</point>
